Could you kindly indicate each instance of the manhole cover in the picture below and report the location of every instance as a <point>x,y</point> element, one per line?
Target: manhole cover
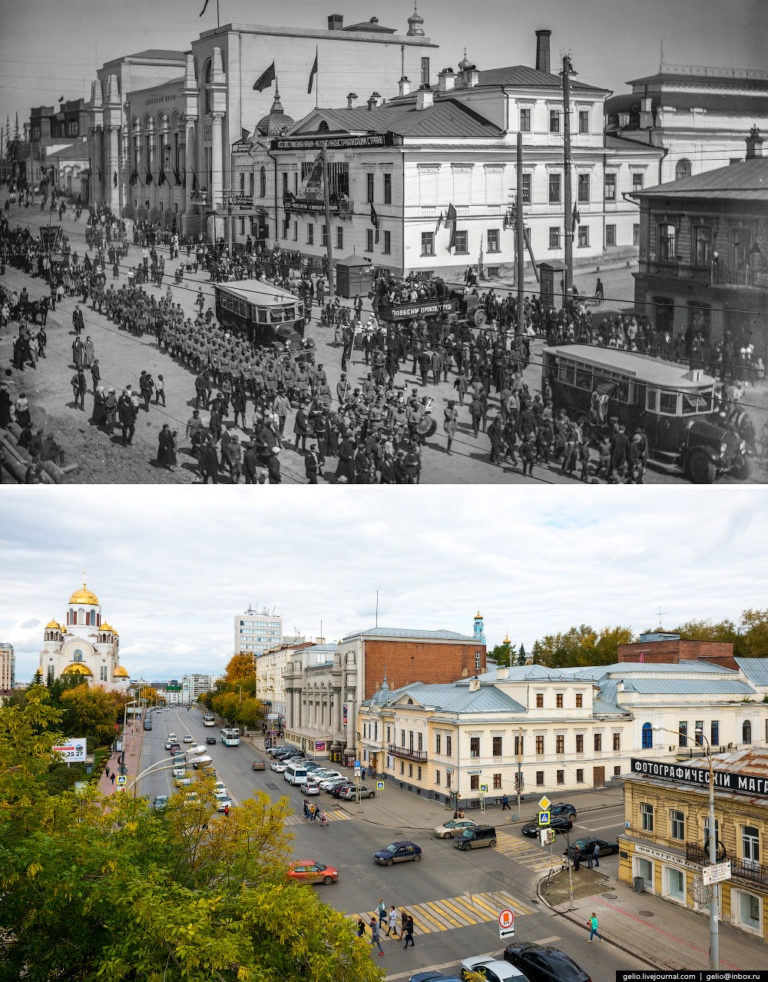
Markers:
<point>271,786</point>
<point>609,896</point>
<point>646,913</point>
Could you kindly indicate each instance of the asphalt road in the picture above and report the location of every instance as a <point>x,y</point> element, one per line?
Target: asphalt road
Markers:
<point>454,896</point>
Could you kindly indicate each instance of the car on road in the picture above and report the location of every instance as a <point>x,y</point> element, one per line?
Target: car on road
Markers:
<point>210,739</point>
<point>350,793</point>
<point>277,766</point>
<point>398,852</point>
<point>160,801</point>
<point>187,738</point>
<point>309,788</point>
<point>179,771</point>
<point>490,968</point>
<point>453,827</point>
<point>543,963</point>
<point>560,823</point>
<point>330,778</point>
<point>433,976</point>
<point>168,744</point>
<point>336,785</point>
<point>476,838</point>
<point>175,748</point>
<point>309,871</point>
<point>587,846</point>
<point>335,790</point>
<point>222,800</point>
<point>563,808</point>
<point>183,782</point>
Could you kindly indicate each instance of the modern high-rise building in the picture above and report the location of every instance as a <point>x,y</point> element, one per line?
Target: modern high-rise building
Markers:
<point>7,666</point>
<point>193,686</point>
<point>257,631</point>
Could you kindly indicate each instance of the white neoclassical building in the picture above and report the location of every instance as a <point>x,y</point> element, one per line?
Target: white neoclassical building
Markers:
<point>85,644</point>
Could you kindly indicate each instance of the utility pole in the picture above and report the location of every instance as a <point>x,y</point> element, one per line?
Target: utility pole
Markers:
<point>328,237</point>
<point>519,240</point>
<point>568,223</point>
<point>519,759</point>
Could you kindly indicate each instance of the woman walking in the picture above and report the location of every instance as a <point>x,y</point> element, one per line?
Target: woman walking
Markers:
<point>592,925</point>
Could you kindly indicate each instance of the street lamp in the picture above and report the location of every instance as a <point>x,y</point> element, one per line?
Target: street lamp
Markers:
<point>165,765</point>
<point>714,940</point>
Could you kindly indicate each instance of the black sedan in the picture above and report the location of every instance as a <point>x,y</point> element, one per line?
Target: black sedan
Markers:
<point>541,963</point>
<point>210,739</point>
<point>559,823</point>
<point>562,809</point>
<point>587,846</point>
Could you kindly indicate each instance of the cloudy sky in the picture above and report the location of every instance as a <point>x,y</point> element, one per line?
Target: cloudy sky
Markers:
<point>610,40</point>
<point>172,566</point>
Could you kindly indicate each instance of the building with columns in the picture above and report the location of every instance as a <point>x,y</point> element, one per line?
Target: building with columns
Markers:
<point>85,644</point>
<point>270,672</point>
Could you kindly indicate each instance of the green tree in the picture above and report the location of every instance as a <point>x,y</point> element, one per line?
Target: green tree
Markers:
<point>536,653</point>
<point>754,631</point>
<point>501,654</point>
<point>521,655</point>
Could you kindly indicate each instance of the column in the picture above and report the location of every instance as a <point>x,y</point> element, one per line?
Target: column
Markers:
<point>97,174</point>
<point>217,166</point>
<point>113,167</point>
<point>189,161</point>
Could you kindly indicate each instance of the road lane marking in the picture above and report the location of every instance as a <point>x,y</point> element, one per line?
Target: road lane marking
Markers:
<point>448,913</point>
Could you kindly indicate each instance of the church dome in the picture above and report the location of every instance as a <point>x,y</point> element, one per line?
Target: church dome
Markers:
<point>107,629</point>
<point>52,626</point>
<point>84,596</point>
<point>77,668</point>
<point>120,673</point>
<point>276,122</point>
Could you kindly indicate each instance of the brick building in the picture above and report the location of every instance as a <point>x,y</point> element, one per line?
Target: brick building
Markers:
<point>671,649</point>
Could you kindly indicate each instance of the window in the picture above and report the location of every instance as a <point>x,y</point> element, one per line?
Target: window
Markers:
<point>474,746</point>
<point>746,732</point>
<point>437,778</point>
<point>583,188</point>
<point>310,234</point>
<point>698,733</point>
<point>580,775</point>
<point>339,237</point>
<point>474,782</point>
<point>438,741</point>
<point>637,182</point>
<point>561,777</point>
<point>519,741</point>
<point>579,743</point>
<point>579,700</point>
<point>497,782</point>
<point>667,243</point>
<point>387,189</point>
<point>477,661</point>
<point>527,188</point>
<point>448,746</point>
<point>369,187</point>
<point>682,733</point>
<point>461,243</point>
<point>749,911</point>
<point>560,744</point>
<point>554,120</point>
<point>525,120</point>
<point>676,884</point>
<point>617,770</point>
<point>583,121</point>
<point>447,779</point>
<point>263,182</point>
<point>702,245</point>
<point>410,770</point>
<point>554,237</point>
<point>387,243</point>
<point>402,738</point>
<point>583,236</point>
<point>539,700</point>
<point>714,732</point>
<point>647,737</point>
<point>617,741</point>
<point>493,240</point>
<point>324,236</point>
<point>388,734</point>
<point>425,71</point>
<point>682,169</point>
<point>610,187</point>
<point>699,315</point>
<point>646,817</point>
<point>402,767</point>
<point>539,745</point>
<point>427,243</point>
<point>554,189</point>
<point>419,745</point>
<point>677,825</point>
<point>539,778</point>
<point>559,700</point>
<point>497,746</point>
<point>598,741</point>
<point>369,240</point>
<point>635,235</point>
<point>418,773</point>
<point>610,235</point>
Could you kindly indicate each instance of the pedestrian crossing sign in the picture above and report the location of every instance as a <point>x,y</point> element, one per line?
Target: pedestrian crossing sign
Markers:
<point>484,789</point>
<point>121,780</point>
<point>379,785</point>
<point>544,818</point>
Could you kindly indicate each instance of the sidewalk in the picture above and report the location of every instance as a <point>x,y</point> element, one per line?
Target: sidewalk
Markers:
<point>132,743</point>
<point>660,932</point>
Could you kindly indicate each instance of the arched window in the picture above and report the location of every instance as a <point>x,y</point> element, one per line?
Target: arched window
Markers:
<point>263,182</point>
<point>647,737</point>
<point>682,169</point>
<point>746,732</point>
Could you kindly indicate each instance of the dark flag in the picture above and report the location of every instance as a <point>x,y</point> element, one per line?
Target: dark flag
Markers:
<point>148,178</point>
<point>134,177</point>
<point>440,221</point>
<point>195,185</point>
<point>265,79</point>
<point>576,218</point>
<point>450,221</point>
<point>204,7</point>
<point>374,217</point>
<point>114,179</point>
<point>176,175</point>
<point>161,179</point>
<point>312,73</point>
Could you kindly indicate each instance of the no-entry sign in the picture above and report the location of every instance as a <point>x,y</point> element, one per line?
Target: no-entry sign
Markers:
<point>506,924</point>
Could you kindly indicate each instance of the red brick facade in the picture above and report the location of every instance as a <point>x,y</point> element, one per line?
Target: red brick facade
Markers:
<point>418,661</point>
<point>673,652</point>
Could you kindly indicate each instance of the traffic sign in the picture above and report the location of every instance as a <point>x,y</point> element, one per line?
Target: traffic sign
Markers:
<point>506,924</point>
<point>544,803</point>
<point>544,818</point>
<point>121,780</point>
<point>379,785</point>
<point>484,789</point>
<point>357,763</point>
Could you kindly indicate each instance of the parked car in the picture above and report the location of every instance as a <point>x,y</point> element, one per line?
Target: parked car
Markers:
<point>587,846</point>
<point>398,852</point>
<point>492,969</point>
<point>338,789</point>
<point>210,739</point>
<point>476,838</point>
<point>222,800</point>
<point>453,827</point>
<point>183,782</point>
<point>561,823</point>
<point>562,809</point>
<point>179,771</point>
<point>334,785</point>
<point>277,766</point>
<point>331,777</point>
<point>542,963</point>
<point>350,793</point>
<point>160,801</point>
<point>309,788</point>
<point>219,786</point>
<point>432,976</point>
<point>309,871</point>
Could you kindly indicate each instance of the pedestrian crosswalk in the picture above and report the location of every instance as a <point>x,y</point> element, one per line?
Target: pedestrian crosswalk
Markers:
<point>443,915</point>
<point>528,853</point>
<point>334,815</point>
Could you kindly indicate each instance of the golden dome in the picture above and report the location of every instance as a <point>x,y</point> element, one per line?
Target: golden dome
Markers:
<point>84,596</point>
<point>77,668</point>
<point>121,673</point>
<point>107,628</point>
<point>53,626</point>
<point>506,640</point>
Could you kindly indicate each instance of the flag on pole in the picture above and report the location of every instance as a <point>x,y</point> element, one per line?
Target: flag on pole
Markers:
<point>450,222</point>
<point>312,73</point>
<point>161,179</point>
<point>114,179</point>
<point>374,217</point>
<point>576,219</point>
<point>439,223</point>
<point>266,78</point>
<point>204,8</point>
<point>148,178</point>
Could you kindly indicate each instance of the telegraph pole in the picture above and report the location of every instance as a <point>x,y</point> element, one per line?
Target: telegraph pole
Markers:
<point>329,236</point>
<point>568,224</point>
<point>519,247</point>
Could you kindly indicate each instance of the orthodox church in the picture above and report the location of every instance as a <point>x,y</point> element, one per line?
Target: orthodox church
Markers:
<point>84,645</point>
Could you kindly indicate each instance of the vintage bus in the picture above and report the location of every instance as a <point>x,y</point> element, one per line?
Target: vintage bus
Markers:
<point>208,720</point>
<point>674,405</point>
<point>263,312</point>
<point>230,737</point>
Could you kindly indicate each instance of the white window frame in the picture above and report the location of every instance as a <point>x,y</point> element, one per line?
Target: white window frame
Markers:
<point>667,872</point>
<point>736,911</point>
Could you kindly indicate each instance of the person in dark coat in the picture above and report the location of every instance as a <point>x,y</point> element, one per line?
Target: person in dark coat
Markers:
<point>126,412</point>
<point>208,461</point>
<point>301,429</point>
<point>346,465</point>
<point>166,450</point>
<point>99,414</point>
<point>5,406</point>
<point>312,464</point>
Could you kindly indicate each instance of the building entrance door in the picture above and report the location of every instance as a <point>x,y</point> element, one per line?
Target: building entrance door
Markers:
<point>598,777</point>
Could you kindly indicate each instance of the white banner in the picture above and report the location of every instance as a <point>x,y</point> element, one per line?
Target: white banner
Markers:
<point>73,751</point>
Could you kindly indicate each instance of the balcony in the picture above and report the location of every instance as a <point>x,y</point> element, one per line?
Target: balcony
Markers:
<point>408,753</point>
<point>694,853</point>
<point>745,869</point>
<point>721,274</point>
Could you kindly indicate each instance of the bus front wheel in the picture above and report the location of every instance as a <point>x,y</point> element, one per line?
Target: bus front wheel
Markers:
<point>701,470</point>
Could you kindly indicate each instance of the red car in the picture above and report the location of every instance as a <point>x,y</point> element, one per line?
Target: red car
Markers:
<point>309,871</point>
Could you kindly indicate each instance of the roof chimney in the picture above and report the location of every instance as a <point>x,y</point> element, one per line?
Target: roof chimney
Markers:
<point>375,100</point>
<point>351,100</point>
<point>542,50</point>
<point>335,22</point>
<point>754,144</point>
<point>474,684</point>
<point>425,99</point>
<point>404,86</point>
<point>445,80</point>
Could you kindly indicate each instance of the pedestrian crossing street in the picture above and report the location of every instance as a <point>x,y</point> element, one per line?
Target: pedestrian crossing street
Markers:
<point>334,815</point>
<point>528,853</point>
<point>432,916</point>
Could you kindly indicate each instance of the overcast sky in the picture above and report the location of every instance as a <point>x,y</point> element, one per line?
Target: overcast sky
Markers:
<point>49,49</point>
<point>172,566</point>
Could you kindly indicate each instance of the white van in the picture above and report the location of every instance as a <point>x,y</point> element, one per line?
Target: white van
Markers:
<point>295,774</point>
